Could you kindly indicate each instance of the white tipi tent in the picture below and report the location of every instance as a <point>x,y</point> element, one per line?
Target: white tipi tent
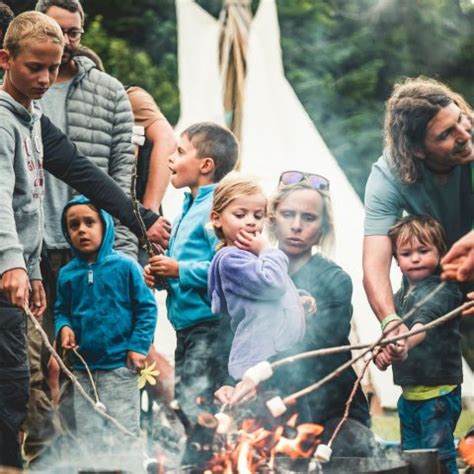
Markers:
<point>277,135</point>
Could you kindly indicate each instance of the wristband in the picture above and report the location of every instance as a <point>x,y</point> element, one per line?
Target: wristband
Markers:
<point>389,319</point>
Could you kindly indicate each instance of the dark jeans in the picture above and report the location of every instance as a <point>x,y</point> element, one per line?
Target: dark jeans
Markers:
<point>430,424</point>
<point>197,367</point>
<point>14,382</point>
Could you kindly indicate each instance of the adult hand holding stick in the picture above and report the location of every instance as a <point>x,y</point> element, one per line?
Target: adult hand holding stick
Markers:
<point>458,264</point>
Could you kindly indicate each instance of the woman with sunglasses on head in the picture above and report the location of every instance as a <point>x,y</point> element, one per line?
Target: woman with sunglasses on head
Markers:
<point>301,220</point>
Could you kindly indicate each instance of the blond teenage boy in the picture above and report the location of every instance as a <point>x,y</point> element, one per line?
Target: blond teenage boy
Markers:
<point>206,153</point>
<point>31,58</point>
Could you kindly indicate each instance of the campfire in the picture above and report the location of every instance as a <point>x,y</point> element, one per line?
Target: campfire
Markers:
<point>229,444</point>
<point>254,448</point>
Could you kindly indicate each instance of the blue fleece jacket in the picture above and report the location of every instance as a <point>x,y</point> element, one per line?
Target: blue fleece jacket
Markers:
<point>106,303</point>
<point>192,244</point>
<point>263,304</point>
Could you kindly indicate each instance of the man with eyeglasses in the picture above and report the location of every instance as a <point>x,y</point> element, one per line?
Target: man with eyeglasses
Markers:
<point>92,108</point>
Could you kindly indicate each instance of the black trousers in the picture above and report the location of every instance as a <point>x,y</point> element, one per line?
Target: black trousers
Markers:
<point>14,381</point>
<point>198,367</point>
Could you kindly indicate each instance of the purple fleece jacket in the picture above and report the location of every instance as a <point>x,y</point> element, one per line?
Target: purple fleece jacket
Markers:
<point>262,302</point>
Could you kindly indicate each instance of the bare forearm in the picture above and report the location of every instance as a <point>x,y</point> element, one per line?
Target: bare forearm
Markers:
<point>376,261</point>
<point>161,135</point>
<point>158,180</point>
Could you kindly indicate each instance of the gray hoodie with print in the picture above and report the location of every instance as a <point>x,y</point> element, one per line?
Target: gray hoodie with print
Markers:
<point>21,187</point>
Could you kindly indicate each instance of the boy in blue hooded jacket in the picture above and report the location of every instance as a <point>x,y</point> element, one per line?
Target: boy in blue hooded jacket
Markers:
<point>105,311</point>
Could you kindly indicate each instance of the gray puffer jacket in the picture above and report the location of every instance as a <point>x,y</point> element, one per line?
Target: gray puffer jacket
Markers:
<point>99,121</point>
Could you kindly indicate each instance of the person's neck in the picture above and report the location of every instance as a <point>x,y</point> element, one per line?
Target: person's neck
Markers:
<point>66,71</point>
<point>8,88</point>
<point>296,262</point>
<point>439,171</point>
<point>195,189</point>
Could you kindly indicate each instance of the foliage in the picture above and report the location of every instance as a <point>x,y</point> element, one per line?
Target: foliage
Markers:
<point>134,66</point>
<point>344,57</point>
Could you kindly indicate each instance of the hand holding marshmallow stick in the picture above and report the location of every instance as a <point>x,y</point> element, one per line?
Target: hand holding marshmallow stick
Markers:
<point>264,370</point>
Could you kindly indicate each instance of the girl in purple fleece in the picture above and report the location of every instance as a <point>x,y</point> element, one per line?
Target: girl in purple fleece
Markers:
<point>248,279</point>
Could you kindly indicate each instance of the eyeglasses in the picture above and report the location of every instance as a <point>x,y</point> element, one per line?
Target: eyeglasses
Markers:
<point>316,181</point>
<point>73,33</point>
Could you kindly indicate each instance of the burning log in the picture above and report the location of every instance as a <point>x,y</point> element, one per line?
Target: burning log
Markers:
<point>199,445</point>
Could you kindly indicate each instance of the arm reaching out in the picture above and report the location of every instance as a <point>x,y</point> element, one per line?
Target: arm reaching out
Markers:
<point>377,258</point>
<point>458,263</point>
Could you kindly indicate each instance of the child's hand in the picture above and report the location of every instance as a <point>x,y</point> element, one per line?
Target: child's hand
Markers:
<point>252,242</point>
<point>68,338</point>
<point>309,304</point>
<point>148,276</point>
<point>164,266</point>
<point>382,360</point>
<point>223,395</point>
<point>135,361</point>
<point>37,298</point>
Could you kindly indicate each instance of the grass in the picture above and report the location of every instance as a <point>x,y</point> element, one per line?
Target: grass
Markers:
<point>388,428</point>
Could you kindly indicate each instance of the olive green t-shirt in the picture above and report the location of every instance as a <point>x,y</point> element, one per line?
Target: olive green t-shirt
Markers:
<point>449,201</point>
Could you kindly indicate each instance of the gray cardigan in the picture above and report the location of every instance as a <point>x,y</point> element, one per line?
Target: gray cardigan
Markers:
<point>99,121</point>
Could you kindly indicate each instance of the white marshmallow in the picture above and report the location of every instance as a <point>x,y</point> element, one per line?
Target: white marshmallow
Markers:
<point>276,406</point>
<point>259,372</point>
<point>138,130</point>
<point>225,422</point>
<point>323,453</point>
<point>138,140</point>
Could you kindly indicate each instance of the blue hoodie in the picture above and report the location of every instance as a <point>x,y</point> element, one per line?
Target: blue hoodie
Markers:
<point>106,303</point>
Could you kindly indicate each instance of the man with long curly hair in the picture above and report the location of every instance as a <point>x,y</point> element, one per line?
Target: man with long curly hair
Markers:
<point>425,170</point>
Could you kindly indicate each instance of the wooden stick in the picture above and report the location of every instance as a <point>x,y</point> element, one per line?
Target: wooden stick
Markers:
<point>291,398</point>
<point>383,342</point>
<point>73,378</point>
<point>151,250</point>
<point>351,399</point>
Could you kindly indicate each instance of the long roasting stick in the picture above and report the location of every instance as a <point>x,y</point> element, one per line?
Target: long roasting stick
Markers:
<point>347,348</point>
<point>138,139</point>
<point>73,378</point>
<point>443,319</point>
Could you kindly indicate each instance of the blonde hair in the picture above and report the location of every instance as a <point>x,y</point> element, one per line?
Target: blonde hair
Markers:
<point>29,27</point>
<point>327,237</point>
<point>229,189</point>
<point>424,229</point>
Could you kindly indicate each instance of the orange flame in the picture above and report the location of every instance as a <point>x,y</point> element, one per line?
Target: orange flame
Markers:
<point>466,450</point>
<point>256,446</point>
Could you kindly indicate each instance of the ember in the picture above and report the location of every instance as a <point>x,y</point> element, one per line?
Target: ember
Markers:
<point>253,448</point>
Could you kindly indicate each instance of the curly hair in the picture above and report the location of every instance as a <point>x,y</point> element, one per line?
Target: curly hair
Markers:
<point>326,241</point>
<point>6,16</point>
<point>413,104</point>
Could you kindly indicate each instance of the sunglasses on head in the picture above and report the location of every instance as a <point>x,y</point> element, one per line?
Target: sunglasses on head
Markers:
<point>316,181</point>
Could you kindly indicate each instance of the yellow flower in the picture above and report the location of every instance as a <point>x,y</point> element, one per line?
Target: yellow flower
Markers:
<point>148,374</point>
